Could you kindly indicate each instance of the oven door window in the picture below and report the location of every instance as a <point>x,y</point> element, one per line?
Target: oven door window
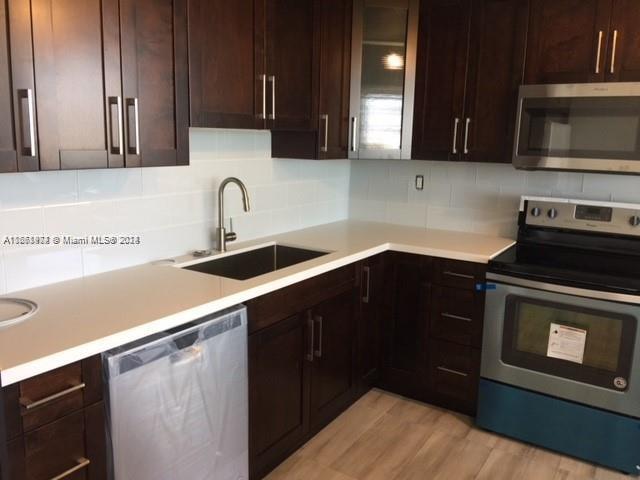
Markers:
<point>582,344</point>
<point>581,127</point>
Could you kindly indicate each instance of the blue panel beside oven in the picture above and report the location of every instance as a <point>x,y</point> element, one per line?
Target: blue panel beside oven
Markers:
<point>594,435</point>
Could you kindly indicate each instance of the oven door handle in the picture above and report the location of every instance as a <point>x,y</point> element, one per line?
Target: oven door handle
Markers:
<point>563,289</point>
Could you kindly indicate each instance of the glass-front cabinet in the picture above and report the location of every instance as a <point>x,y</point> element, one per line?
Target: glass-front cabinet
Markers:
<point>383,78</point>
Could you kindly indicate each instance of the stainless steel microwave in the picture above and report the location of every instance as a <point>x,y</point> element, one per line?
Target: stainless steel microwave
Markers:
<point>590,127</point>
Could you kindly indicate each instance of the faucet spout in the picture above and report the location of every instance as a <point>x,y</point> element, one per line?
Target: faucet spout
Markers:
<point>221,235</point>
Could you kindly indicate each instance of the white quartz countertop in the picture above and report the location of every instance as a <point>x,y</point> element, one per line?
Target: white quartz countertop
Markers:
<point>83,317</point>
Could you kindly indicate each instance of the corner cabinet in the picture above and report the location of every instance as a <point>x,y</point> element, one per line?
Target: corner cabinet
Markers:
<point>470,63</point>
<point>110,92</point>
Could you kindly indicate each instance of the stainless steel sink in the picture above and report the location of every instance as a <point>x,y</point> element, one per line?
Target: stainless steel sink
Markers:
<point>245,265</point>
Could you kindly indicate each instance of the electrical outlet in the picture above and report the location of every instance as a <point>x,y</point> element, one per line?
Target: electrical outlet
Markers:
<point>419,182</point>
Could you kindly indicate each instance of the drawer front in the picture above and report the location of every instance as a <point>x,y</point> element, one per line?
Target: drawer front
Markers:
<point>273,307</point>
<point>454,373</point>
<point>457,274</point>
<point>44,398</point>
<point>72,447</point>
<point>456,315</point>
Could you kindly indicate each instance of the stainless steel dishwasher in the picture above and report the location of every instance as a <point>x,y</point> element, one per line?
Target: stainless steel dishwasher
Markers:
<point>178,402</point>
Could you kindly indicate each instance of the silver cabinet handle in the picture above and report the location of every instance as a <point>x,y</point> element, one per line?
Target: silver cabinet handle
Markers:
<point>27,94</point>
<point>119,149</point>
<point>599,51</point>
<point>455,372</point>
<point>272,79</point>
<point>454,148</point>
<point>133,102</point>
<point>325,119</point>
<point>455,317</point>
<point>81,463</point>
<point>367,272</point>
<point>318,352</point>
<point>354,134</point>
<point>31,404</point>
<point>613,51</point>
<point>311,326</point>
<point>458,275</point>
<point>466,135</point>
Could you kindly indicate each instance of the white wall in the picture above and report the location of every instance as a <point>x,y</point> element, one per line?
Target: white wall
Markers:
<point>173,209</point>
<point>468,197</point>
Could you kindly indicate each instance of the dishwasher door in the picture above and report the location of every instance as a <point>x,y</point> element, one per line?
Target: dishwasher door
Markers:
<point>178,402</point>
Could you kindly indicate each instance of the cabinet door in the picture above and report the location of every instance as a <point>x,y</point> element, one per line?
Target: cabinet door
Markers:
<point>623,59</point>
<point>335,68</point>
<point>372,312</point>
<point>24,87</point>
<point>290,66</point>
<point>567,41</point>
<point>278,392</point>
<point>8,145</point>
<point>155,84</point>
<point>404,330</point>
<point>333,355</point>
<point>496,60</point>
<point>443,40</point>
<point>226,63</point>
<point>73,85</point>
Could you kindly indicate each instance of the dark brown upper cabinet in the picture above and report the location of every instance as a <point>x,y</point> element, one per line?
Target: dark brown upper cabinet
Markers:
<point>252,64</point>
<point>470,62</point>
<point>155,82</point>
<point>94,84</point>
<point>18,126</point>
<point>568,41</point>
<point>623,56</point>
<point>227,65</point>
<point>443,44</point>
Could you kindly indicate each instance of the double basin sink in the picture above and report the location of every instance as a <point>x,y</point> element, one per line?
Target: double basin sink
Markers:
<point>252,263</point>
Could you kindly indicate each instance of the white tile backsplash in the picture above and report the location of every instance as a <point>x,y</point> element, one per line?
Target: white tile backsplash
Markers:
<point>172,209</point>
<point>462,196</point>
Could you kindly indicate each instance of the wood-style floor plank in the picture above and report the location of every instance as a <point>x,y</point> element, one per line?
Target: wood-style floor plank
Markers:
<point>387,437</point>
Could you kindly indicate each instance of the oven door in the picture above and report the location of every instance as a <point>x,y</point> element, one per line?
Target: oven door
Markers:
<point>587,127</point>
<point>566,342</point>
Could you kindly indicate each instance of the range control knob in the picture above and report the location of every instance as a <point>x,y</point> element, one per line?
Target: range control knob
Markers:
<point>634,221</point>
<point>552,213</point>
<point>535,211</point>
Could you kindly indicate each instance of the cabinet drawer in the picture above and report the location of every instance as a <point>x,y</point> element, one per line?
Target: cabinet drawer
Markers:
<point>273,307</point>
<point>73,446</point>
<point>44,398</point>
<point>454,373</point>
<point>457,274</point>
<point>456,315</point>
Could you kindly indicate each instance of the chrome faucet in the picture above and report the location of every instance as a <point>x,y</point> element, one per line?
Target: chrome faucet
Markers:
<point>222,237</point>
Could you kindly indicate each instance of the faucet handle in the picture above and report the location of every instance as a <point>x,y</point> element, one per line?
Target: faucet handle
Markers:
<point>231,235</point>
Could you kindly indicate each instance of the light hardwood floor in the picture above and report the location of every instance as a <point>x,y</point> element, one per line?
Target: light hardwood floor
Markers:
<point>387,437</point>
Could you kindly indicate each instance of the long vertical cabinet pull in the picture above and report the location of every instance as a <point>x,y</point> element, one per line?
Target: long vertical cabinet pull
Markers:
<point>354,134</point>
<point>119,148</point>
<point>318,320</point>
<point>613,51</point>
<point>31,151</point>
<point>365,296</point>
<point>599,51</point>
<point>133,102</point>
<point>454,147</point>
<point>310,327</point>
<point>466,135</point>
<point>272,79</point>
<point>325,118</point>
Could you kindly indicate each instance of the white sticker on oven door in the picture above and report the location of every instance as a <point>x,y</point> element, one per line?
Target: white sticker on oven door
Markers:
<point>566,343</point>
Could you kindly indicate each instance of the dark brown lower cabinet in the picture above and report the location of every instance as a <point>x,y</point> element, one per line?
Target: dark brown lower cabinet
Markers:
<point>301,366</point>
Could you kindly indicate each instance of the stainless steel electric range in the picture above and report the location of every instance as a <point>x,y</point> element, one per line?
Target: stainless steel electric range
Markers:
<point>561,346</point>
